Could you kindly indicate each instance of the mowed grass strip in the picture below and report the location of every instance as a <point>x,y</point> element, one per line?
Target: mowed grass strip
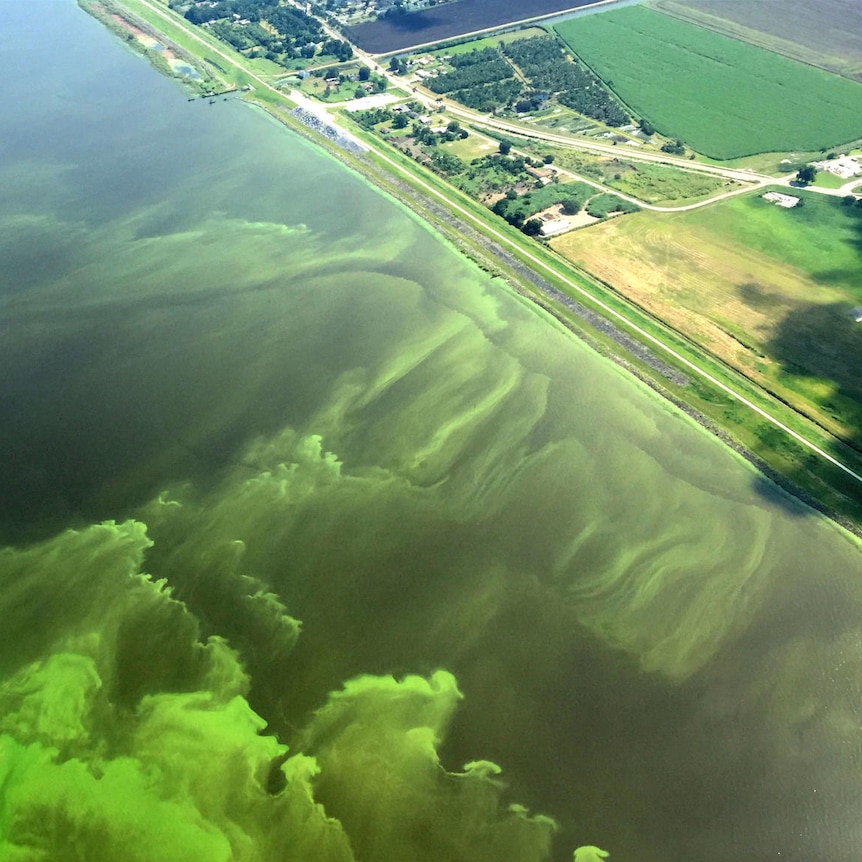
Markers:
<point>723,97</point>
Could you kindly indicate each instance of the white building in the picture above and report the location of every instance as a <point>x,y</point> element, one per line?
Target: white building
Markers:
<point>786,201</point>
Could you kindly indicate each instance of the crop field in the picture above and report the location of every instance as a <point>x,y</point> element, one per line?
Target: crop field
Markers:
<point>768,290</point>
<point>449,21</point>
<point>827,33</point>
<point>722,97</point>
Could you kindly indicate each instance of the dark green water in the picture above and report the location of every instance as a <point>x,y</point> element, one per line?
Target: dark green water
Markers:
<point>305,514</point>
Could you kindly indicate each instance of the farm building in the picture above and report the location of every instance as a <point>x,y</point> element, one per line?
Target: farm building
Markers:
<point>845,167</point>
<point>555,226</point>
<point>781,200</point>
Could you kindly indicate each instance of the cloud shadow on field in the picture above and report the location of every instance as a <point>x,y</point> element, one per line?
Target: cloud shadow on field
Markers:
<point>415,22</point>
<point>820,345</point>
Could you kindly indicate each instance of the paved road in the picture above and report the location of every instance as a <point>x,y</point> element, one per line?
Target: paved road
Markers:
<point>526,131</point>
<point>752,179</point>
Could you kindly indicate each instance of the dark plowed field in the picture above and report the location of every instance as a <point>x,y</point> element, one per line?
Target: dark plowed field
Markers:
<point>449,21</point>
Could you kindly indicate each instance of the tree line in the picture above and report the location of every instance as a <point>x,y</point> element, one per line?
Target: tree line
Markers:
<point>281,33</point>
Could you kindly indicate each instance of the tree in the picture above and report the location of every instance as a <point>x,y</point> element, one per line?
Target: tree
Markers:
<point>548,158</point>
<point>807,174</point>
<point>400,121</point>
<point>505,147</point>
<point>571,206</point>
<point>359,93</point>
<point>532,227</point>
<point>647,127</point>
<point>364,73</point>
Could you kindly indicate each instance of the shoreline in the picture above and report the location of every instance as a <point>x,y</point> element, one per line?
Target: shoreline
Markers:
<point>486,253</point>
<point>541,294</point>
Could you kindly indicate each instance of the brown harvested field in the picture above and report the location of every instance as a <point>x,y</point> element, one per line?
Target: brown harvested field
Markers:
<point>728,298</point>
<point>824,33</point>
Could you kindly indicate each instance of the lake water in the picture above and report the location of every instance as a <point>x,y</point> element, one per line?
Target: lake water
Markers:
<point>325,546</point>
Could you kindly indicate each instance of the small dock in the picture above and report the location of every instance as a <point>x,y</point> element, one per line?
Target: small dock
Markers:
<point>214,95</point>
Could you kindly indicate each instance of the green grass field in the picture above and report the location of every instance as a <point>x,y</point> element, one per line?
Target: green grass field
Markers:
<point>822,239</point>
<point>827,180</point>
<point>768,290</point>
<point>723,97</point>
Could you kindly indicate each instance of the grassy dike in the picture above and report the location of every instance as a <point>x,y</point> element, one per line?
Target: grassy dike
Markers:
<point>705,389</point>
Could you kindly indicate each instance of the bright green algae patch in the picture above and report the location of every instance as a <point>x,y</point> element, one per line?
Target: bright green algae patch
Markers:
<point>106,748</point>
<point>722,97</point>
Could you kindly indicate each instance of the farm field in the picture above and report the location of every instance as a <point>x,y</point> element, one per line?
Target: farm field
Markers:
<point>722,97</point>
<point>768,290</point>
<point>827,33</point>
<point>397,32</point>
